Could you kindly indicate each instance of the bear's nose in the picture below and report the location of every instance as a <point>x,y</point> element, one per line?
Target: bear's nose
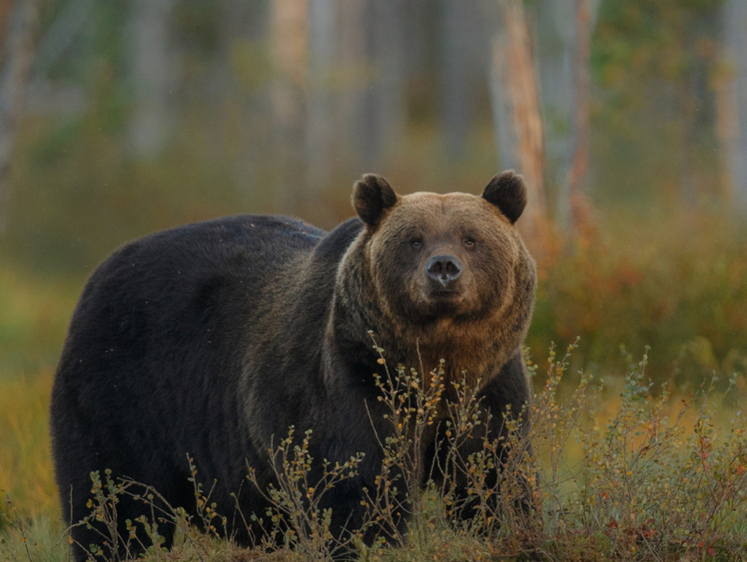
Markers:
<point>444,269</point>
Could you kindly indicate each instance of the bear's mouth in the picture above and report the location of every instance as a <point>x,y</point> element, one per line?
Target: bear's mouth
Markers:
<point>443,301</point>
<point>445,293</point>
<point>434,301</point>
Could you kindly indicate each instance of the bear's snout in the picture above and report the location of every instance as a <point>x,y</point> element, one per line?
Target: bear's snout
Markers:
<point>444,270</point>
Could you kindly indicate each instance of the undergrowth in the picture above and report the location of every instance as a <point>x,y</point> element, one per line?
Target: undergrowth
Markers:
<point>637,476</point>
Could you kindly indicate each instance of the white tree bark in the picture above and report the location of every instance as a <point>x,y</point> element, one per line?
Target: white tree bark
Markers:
<point>320,128</point>
<point>19,47</point>
<point>516,95</point>
<point>355,76</point>
<point>732,102</point>
<point>556,25</point>
<point>503,128</point>
<point>289,51</point>
<point>389,87</point>
<point>455,77</point>
<point>153,75</point>
<point>576,200</point>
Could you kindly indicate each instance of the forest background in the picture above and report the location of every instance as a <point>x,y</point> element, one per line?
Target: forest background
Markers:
<point>628,119</point>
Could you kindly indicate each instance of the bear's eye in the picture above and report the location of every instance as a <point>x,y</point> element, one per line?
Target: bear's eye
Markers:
<point>469,242</point>
<point>416,243</point>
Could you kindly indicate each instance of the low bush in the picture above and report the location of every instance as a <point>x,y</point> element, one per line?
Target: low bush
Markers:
<point>611,474</point>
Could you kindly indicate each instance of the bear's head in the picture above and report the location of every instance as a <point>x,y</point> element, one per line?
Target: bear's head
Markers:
<point>456,256</point>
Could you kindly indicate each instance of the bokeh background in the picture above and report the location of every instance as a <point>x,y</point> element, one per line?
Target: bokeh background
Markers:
<point>628,118</point>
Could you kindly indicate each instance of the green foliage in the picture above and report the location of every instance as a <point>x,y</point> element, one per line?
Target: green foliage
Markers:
<point>655,66</point>
<point>632,35</point>
<point>78,196</point>
<point>674,284</point>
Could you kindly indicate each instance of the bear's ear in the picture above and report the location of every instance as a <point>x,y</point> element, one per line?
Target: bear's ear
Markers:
<point>372,195</point>
<point>507,192</point>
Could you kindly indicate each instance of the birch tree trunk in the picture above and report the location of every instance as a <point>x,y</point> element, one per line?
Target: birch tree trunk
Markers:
<point>289,48</point>
<point>731,104</point>
<point>455,77</point>
<point>577,201</point>
<point>516,88</point>
<point>320,95</point>
<point>556,30</point>
<point>370,112</point>
<point>389,87</point>
<point>355,142</point>
<point>19,47</point>
<point>152,73</point>
<point>504,131</point>
<point>565,32</point>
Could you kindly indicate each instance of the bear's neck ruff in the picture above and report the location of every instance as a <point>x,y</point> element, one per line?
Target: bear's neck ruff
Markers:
<point>472,351</point>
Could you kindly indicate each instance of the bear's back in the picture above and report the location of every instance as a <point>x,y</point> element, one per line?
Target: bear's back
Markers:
<point>174,282</point>
<point>162,316</point>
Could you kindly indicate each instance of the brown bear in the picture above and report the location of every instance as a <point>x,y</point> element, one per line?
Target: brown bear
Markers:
<point>214,338</point>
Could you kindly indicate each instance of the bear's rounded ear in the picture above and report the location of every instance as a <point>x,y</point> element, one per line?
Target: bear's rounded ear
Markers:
<point>372,195</point>
<point>507,192</point>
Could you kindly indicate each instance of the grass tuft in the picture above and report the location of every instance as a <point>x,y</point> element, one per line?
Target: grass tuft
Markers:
<point>629,473</point>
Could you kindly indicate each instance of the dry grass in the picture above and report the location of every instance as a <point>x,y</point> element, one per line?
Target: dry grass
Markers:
<point>25,462</point>
<point>645,476</point>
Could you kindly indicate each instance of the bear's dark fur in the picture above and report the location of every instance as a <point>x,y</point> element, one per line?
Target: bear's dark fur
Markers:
<point>213,338</point>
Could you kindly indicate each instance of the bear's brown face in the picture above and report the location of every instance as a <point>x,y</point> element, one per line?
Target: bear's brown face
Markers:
<point>442,256</point>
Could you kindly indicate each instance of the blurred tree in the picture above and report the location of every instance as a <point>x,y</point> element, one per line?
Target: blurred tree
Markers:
<point>387,28</point>
<point>421,29</point>
<point>44,96</point>
<point>240,87</point>
<point>320,130</point>
<point>282,109</point>
<point>556,37</point>
<point>516,101</point>
<point>464,34</point>
<point>371,111</point>
<point>458,32</point>
<point>153,70</point>
<point>289,54</point>
<point>500,97</point>
<point>19,54</point>
<point>564,32</point>
<point>573,199</point>
<point>652,61</point>
<point>732,101</point>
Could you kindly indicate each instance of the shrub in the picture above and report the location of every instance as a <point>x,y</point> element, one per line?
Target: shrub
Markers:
<point>637,475</point>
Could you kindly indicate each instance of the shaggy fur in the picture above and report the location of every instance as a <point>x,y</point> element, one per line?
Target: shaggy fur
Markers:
<point>212,339</point>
